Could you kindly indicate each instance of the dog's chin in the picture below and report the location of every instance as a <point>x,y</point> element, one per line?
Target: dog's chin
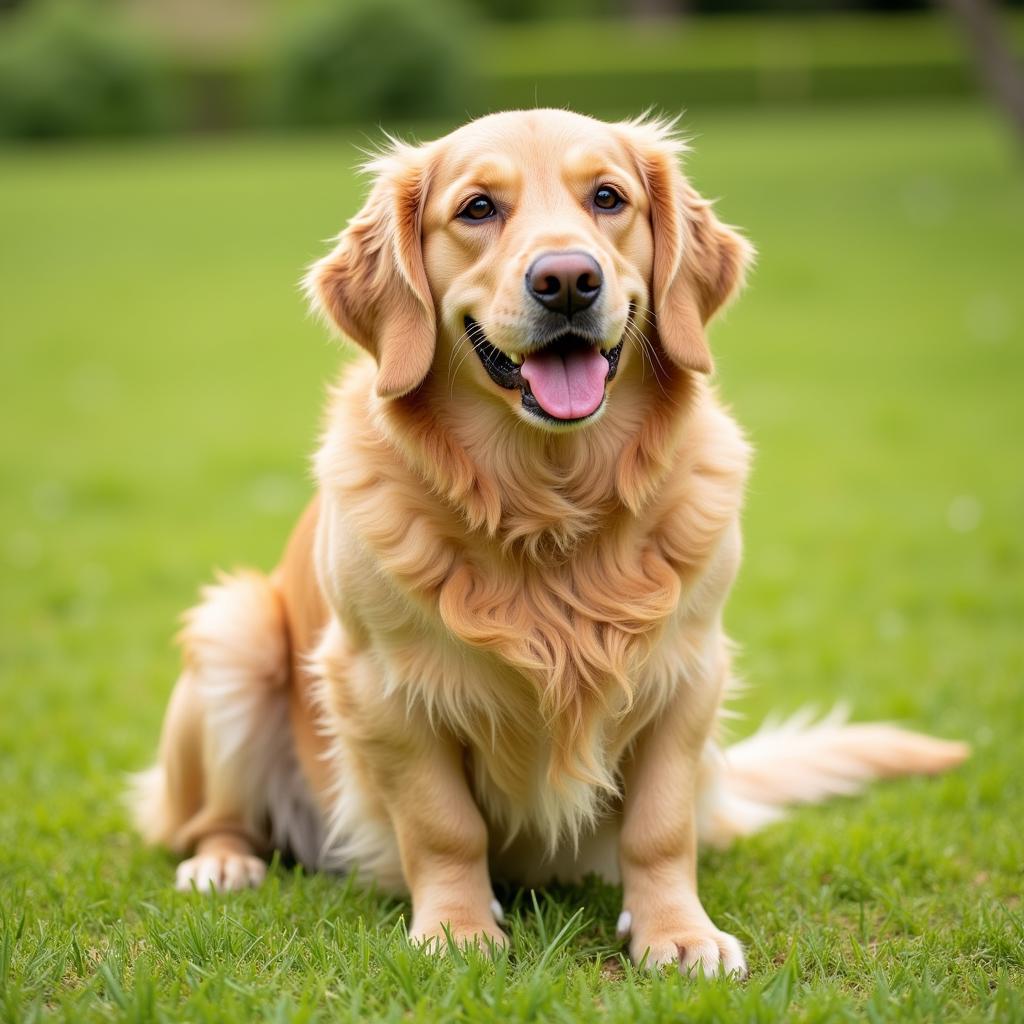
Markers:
<point>562,385</point>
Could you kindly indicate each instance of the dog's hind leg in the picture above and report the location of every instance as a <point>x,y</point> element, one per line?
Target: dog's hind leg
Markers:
<point>225,734</point>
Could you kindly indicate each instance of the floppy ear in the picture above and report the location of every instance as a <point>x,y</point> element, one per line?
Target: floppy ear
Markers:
<point>699,262</point>
<point>373,287</point>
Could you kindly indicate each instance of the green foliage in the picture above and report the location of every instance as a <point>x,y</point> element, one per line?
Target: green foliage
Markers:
<point>616,68</point>
<point>543,10</point>
<point>72,69</point>
<point>163,388</point>
<point>372,60</point>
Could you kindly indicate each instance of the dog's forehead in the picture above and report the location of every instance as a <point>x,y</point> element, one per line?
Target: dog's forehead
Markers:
<point>530,144</point>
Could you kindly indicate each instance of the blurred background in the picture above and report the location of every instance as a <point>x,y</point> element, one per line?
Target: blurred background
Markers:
<point>72,68</point>
<point>169,167</point>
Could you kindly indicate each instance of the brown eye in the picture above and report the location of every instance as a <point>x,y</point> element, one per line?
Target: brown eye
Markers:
<point>478,208</point>
<point>606,198</point>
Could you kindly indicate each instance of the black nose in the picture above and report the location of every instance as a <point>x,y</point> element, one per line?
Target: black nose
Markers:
<point>565,282</point>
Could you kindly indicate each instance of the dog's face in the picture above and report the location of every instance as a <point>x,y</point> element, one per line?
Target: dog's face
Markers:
<point>532,254</point>
<point>538,249</point>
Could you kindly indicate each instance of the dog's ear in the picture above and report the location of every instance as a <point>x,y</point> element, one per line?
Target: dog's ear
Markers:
<point>699,262</point>
<point>373,286</point>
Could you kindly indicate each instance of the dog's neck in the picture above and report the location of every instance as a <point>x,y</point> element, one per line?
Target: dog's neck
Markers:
<point>539,494</point>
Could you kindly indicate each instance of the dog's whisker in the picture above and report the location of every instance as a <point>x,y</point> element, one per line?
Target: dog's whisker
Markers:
<point>466,342</point>
<point>463,341</point>
<point>646,315</point>
<point>630,332</point>
<point>657,367</point>
<point>651,350</point>
<point>647,354</point>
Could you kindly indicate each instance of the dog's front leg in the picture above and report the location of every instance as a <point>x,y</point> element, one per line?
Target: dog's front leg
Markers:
<point>442,840</point>
<point>419,775</point>
<point>662,912</point>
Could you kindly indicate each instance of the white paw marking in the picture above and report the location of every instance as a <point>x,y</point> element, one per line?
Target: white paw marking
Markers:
<point>708,956</point>
<point>498,911</point>
<point>624,925</point>
<point>219,872</point>
<point>697,952</point>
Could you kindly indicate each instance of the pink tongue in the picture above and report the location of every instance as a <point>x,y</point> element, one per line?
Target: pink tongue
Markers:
<point>568,385</point>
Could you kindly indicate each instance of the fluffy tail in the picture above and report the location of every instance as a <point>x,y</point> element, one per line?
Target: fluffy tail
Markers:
<point>800,761</point>
<point>222,729</point>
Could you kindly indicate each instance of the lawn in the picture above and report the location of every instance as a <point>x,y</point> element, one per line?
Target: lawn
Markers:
<point>162,388</point>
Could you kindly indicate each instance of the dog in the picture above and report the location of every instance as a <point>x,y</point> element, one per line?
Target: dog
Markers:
<point>493,647</point>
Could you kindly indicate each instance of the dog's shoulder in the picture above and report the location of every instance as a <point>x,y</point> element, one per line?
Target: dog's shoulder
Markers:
<point>703,494</point>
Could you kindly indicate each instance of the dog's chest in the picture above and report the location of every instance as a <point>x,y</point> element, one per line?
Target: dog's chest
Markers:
<point>581,627</point>
<point>546,682</point>
<point>558,642</point>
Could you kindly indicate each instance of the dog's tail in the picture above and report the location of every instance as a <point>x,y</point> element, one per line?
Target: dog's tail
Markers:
<point>222,727</point>
<point>802,761</point>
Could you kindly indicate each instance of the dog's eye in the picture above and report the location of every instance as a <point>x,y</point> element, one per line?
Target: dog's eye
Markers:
<point>607,198</point>
<point>478,208</point>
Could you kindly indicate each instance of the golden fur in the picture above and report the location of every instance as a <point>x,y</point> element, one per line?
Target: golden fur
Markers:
<point>495,644</point>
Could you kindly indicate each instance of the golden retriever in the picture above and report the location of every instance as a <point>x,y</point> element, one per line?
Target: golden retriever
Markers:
<point>494,645</point>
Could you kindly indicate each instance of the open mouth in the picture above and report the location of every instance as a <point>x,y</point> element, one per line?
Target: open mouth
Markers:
<point>563,382</point>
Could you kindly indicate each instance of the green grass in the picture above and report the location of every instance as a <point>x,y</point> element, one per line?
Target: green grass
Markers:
<point>161,393</point>
<point>622,66</point>
<point>768,42</point>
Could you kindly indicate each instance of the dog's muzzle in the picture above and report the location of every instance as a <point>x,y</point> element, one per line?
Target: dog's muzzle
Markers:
<point>564,381</point>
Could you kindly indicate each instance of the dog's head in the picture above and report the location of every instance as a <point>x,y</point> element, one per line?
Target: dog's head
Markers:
<point>534,252</point>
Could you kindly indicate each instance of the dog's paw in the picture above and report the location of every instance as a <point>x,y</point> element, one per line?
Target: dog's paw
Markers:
<point>220,872</point>
<point>435,937</point>
<point>694,948</point>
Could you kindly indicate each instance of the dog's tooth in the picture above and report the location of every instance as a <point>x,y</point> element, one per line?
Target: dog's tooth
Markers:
<point>516,358</point>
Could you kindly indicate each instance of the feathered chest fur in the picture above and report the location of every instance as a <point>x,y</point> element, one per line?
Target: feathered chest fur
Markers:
<point>535,628</point>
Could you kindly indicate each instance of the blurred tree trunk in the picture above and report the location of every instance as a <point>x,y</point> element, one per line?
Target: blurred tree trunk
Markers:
<point>979,21</point>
